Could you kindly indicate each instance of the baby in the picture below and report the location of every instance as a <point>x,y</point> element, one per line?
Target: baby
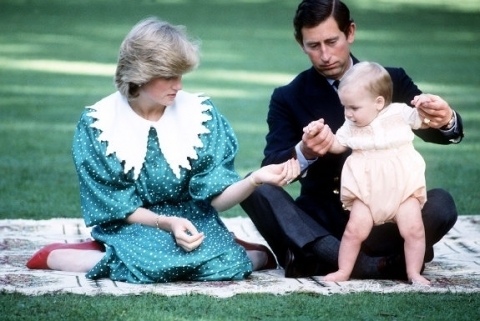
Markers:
<point>383,180</point>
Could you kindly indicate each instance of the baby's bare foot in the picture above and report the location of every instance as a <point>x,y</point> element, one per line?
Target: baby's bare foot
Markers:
<point>419,280</point>
<point>338,276</point>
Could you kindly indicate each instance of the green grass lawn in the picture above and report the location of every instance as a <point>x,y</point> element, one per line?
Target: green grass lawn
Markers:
<point>57,56</point>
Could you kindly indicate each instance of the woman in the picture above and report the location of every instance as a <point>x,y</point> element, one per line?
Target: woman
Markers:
<point>155,166</point>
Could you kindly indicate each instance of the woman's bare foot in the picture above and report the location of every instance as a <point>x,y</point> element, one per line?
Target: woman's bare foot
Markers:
<point>258,258</point>
<point>338,276</point>
<point>264,260</point>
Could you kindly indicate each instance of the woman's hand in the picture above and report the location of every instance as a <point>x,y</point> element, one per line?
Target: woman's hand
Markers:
<point>277,174</point>
<point>185,233</point>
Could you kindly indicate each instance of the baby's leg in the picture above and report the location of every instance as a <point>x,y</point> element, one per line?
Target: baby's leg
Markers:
<point>410,225</point>
<point>358,228</point>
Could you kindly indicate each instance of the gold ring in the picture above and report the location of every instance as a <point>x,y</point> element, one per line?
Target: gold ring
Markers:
<point>426,121</point>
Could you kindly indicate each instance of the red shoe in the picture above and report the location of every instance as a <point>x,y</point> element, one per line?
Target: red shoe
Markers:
<point>39,259</point>
<point>271,261</point>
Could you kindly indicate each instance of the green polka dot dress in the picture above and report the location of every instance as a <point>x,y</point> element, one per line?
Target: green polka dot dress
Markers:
<point>172,167</point>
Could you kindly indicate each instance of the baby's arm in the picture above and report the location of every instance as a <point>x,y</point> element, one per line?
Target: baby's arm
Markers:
<point>337,148</point>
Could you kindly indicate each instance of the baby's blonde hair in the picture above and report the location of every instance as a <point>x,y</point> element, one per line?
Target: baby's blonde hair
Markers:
<point>371,77</point>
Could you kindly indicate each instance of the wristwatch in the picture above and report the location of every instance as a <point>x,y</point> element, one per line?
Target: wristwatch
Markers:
<point>450,123</point>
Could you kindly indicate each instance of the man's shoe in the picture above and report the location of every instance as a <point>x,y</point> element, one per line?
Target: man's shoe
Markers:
<point>291,270</point>
<point>295,268</point>
<point>393,267</point>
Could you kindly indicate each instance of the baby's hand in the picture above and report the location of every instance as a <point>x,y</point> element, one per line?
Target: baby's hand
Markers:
<point>433,110</point>
<point>420,101</point>
<point>317,139</point>
<point>314,127</point>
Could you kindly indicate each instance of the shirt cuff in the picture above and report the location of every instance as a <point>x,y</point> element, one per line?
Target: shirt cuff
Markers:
<point>452,129</point>
<point>304,163</point>
<point>454,125</point>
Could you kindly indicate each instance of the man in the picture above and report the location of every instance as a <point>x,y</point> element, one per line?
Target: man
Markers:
<point>304,233</point>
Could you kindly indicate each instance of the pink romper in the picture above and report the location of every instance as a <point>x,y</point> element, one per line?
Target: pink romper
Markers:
<point>384,168</point>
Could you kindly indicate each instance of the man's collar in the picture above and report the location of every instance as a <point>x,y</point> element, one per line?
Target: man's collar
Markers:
<point>352,61</point>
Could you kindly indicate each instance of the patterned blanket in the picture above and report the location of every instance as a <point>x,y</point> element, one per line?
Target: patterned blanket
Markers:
<point>455,268</point>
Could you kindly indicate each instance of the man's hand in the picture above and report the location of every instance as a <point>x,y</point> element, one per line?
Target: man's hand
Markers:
<point>316,140</point>
<point>434,111</point>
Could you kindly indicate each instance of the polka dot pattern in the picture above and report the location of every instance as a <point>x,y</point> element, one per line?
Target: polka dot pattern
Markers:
<point>142,254</point>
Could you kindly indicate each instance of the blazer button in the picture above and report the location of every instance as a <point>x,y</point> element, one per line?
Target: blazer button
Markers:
<point>336,179</point>
<point>336,191</point>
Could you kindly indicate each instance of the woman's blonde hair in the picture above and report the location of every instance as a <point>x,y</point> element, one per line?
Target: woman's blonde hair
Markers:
<point>372,77</point>
<point>153,49</point>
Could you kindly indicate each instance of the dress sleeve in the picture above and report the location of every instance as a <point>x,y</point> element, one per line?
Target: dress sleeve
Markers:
<point>107,194</point>
<point>213,170</point>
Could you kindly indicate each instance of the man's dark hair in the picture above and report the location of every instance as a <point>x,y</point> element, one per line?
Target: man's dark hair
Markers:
<point>310,13</point>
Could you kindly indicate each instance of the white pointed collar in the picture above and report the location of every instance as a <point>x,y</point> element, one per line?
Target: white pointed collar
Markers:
<point>126,133</point>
